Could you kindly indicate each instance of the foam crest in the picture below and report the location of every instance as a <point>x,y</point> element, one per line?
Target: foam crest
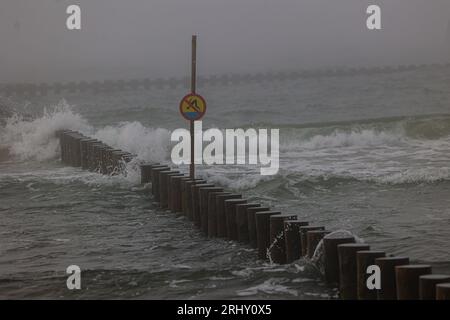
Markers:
<point>35,139</point>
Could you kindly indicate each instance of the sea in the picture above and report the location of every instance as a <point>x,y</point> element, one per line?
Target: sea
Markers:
<point>367,154</point>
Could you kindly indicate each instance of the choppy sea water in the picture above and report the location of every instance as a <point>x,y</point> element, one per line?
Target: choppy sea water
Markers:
<point>368,154</point>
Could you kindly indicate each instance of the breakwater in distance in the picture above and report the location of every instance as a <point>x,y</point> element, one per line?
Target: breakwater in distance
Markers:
<point>280,238</point>
<point>42,89</point>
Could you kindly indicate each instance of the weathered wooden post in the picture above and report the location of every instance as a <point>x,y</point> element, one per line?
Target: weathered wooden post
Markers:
<point>262,219</point>
<point>251,212</point>
<point>154,174</point>
<point>387,266</point>
<point>242,220</point>
<point>170,197</point>
<point>220,213</point>
<point>84,152</point>
<point>428,283</point>
<point>175,203</point>
<point>212,213</point>
<point>196,201</point>
<point>230,216</point>
<point>443,291</point>
<point>303,238</point>
<point>313,238</point>
<point>146,170</point>
<point>189,195</point>
<point>347,269</point>
<point>277,246</point>
<point>204,207</point>
<point>331,257</point>
<point>292,239</point>
<point>163,187</point>
<point>364,259</point>
<point>407,280</point>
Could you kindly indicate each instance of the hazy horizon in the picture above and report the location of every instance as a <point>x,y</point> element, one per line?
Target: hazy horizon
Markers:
<point>152,38</point>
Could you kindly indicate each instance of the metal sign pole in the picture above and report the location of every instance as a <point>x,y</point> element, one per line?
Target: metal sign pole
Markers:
<point>193,84</point>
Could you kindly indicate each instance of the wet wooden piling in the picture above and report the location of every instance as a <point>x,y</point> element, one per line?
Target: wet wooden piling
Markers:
<point>364,259</point>
<point>262,219</point>
<point>407,280</point>
<point>230,217</point>
<point>204,206</point>
<point>292,239</point>
<point>428,283</point>
<point>387,266</point>
<point>277,246</point>
<point>242,220</point>
<point>313,238</point>
<point>348,270</point>
<point>251,212</point>
<point>303,238</point>
<point>331,257</point>
<point>220,213</point>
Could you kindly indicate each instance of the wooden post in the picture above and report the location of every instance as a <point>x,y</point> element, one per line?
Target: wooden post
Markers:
<point>331,258</point>
<point>155,180</point>
<point>196,201</point>
<point>262,220</point>
<point>204,206</point>
<point>292,239</point>
<point>176,193</point>
<point>304,240</point>
<point>428,283</point>
<point>277,245</point>
<point>164,187</point>
<point>171,187</point>
<point>220,213</point>
<point>230,216</point>
<point>365,259</point>
<point>212,213</point>
<point>193,89</point>
<point>252,224</point>
<point>407,280</point>
<point>387,266</point>
<point>443,291</point>
<point>313,238</point>
<point>347,269</point>
<point>189,195</point>
<point>242,221</point>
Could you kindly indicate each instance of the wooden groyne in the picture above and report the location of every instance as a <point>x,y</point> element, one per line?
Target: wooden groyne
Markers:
<point>107,86</point>
<point>279,238</point>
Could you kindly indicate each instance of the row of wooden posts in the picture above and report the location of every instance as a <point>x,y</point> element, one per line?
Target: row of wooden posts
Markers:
<point>31,89</point>
<point>279,238</point>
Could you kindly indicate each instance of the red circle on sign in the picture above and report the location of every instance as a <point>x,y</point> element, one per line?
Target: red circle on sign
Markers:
<point>192,107</point>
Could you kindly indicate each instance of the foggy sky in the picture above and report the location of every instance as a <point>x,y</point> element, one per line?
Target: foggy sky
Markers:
<point>151,38</point>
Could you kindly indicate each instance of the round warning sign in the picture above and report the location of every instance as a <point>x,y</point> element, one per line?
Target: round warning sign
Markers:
<point>192,107</point>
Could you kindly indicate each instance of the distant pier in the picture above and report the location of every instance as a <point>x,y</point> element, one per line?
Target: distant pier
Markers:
<point>99,87</point>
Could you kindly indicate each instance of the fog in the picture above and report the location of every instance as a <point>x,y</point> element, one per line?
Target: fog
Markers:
<point>151,38</point>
